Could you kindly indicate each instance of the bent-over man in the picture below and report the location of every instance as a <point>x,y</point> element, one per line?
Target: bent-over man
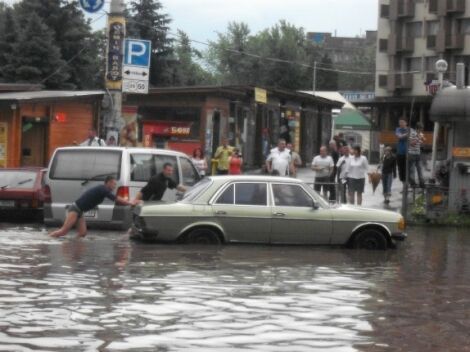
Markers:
<point>158,184</point>
<point>89,200</point>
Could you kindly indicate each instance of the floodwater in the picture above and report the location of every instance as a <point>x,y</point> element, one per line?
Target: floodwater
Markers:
<point>105,293</point>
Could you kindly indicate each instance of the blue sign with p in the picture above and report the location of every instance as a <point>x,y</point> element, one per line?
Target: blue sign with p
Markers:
<point>137,52</point>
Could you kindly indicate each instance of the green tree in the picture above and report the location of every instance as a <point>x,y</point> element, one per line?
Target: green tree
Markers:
<point>146,20</point>
<point>8,37</point>
<point>72,34</point>
<point>327,78</point>
<point>188,71</point>
<point>36,57</point>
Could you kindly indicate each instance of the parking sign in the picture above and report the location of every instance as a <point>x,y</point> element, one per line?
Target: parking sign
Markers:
<point>136,68</point>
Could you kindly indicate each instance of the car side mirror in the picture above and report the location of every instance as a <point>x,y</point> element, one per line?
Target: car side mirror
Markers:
<point>315,206</point>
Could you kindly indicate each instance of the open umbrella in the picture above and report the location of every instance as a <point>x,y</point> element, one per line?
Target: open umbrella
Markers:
<point>374,179</point>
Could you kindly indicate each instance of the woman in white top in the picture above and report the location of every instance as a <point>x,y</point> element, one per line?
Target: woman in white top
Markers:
<point>356,174</point>
<point>199,161</point>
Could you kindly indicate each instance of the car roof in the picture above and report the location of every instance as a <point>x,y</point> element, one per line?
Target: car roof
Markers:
<point>130,149</point>
<point>23,168</point>
<point>258,178</point>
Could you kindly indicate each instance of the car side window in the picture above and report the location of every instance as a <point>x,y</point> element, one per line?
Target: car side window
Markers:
<point>251,194</point>
<point>291,196</point>
<point>188,171</point>
<point>227,197</point>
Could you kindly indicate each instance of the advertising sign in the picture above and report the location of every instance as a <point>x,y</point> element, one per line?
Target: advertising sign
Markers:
<point>461,152</point>
<point>116,33</point>
<point>3,144</point>
<point>261,96</point>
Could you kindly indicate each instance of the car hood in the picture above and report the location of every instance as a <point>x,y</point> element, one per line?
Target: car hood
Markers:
<point>351,212</point>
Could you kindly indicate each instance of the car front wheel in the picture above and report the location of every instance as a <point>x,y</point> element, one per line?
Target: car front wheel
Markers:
<point>370,239</point>
<point>203,236</point>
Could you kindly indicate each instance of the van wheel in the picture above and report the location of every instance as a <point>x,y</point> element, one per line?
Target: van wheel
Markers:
<point>371,240</point>
<point>203,236</point>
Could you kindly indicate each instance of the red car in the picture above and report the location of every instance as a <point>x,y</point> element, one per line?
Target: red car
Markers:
<point>21,192</point>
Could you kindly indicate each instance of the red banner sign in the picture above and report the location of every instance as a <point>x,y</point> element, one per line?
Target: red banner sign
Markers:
<point>167,128</point>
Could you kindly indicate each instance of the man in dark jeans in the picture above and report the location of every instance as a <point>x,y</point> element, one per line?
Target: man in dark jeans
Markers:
<point>158,184</point>
<point>402,134</point>
<point>88,201</point>
<point>335,156</point>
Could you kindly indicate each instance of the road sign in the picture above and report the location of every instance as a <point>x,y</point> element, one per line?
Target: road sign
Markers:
<point>136,68</point>
<point>137,52</point>
<point>92,6</point>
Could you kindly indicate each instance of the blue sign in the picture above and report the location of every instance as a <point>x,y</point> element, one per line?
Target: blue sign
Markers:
<point>137,52</point>
<point>92,6</point>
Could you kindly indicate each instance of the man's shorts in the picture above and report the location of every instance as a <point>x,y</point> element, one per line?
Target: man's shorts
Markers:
<point>75,209</point>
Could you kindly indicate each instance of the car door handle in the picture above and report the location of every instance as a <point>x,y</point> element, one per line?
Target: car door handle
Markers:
<point>221,212</point>
<point>279,214</point>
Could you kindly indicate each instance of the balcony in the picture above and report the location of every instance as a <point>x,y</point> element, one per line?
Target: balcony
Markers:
<point>455,6</point>
<point>431,41</point>
<point>406,8</point>
<point>455,42</point>
<point>451,6</point>
<point>399,81</point>
<point>405,44</point>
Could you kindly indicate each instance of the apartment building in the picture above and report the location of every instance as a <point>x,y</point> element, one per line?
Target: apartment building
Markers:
<point>412,36</point>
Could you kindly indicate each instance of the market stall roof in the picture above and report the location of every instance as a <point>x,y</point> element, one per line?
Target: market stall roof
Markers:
<point>352,119</point>
<point>331,95</point>
<point>48,95</point>
<point>451,105</point>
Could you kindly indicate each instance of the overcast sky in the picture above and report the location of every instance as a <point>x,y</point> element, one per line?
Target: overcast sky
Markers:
<point>201,19</point>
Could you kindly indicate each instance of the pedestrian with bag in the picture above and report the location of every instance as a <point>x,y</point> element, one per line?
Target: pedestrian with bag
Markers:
<point>388,167</point>
<point>356,174</point>
<point>93,140</point>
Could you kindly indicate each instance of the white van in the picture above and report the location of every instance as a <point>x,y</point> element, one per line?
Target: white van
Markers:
<point>73,170</point>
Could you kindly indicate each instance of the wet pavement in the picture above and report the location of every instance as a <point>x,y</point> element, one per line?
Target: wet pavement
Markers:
<point>105,293</point>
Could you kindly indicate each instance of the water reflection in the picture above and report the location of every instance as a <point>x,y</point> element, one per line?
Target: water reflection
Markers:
<point>106,293</point>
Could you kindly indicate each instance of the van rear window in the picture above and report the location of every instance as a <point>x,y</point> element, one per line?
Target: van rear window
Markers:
<point>86,165</point>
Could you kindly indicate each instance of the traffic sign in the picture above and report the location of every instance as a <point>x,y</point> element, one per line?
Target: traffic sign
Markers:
<point>92,6</point>
<point>136,68</point>
<point>137,52</point>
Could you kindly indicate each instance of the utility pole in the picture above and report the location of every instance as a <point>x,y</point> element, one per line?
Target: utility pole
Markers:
<point>314,84</point>
<point>116,31</point>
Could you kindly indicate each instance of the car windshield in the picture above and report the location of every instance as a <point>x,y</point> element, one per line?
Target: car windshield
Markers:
<point>319,199</point>
<point>17,179</point>
<point>195,191</point>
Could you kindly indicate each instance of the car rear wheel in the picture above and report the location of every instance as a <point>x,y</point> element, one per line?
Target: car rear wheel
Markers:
<point>204,236</point>
<point>370,239</point>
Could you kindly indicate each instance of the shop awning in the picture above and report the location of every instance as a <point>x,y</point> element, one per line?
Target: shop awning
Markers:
<point>352,119</point>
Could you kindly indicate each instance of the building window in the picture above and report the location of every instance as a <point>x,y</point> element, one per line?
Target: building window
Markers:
<point>414,29</point>
<point>385,11</point>
<point>383,81</point>
<point>464,26</point>
<point>432,27</point>
<point>433,7</point>
<point>383,45</point>
<point>413,64</point>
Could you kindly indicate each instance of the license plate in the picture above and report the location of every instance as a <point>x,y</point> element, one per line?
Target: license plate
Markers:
<point>90,214</point>
<point>7,203</point>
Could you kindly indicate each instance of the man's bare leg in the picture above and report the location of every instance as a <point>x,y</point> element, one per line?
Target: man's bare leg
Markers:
<point>81,227</point>
<point>69,222</point>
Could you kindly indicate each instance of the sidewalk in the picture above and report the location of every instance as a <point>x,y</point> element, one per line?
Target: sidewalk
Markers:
<point>370,199</point>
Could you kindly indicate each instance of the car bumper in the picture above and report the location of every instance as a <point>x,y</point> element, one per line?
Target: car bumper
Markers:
<point>139,231</point>
<point>399,236</point>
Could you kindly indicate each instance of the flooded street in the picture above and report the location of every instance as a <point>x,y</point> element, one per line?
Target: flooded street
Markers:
<point>106,293</point>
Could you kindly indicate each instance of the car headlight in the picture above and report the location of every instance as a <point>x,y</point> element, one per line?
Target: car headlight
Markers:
<point>401,224</point>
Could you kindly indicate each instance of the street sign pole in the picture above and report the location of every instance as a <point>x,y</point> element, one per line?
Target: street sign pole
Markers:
<point>115,51</point>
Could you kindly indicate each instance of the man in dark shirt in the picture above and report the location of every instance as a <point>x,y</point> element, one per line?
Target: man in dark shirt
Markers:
<point>89,200</point>
<point>335,156</point>
<point>158,184</point>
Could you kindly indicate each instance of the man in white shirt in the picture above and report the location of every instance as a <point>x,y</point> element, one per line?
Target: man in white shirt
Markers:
<point>342,166</point>
<point>323,166</point>
<point>93,140</point>
<point>279,161</point>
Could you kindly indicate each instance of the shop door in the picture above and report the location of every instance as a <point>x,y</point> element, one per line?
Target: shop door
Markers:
<point>33,144</point>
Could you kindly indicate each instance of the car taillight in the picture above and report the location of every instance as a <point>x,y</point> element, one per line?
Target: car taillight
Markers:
<point>123,192</point>
<point>47,194</point>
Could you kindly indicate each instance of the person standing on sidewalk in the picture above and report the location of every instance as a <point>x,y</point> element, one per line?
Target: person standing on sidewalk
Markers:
<point>342,167</point>
<point>414,156</point>
<point>402,133</point>
<point>296,160</point>
<point>199,161</point>
<point>323,166</point>
<point>335,156</point>
<point>235,163</point>
<point>356,173</point>
<point>222,154</point>
<point>279,161</point>
<point>389,172</point>
<point>93,140</point>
